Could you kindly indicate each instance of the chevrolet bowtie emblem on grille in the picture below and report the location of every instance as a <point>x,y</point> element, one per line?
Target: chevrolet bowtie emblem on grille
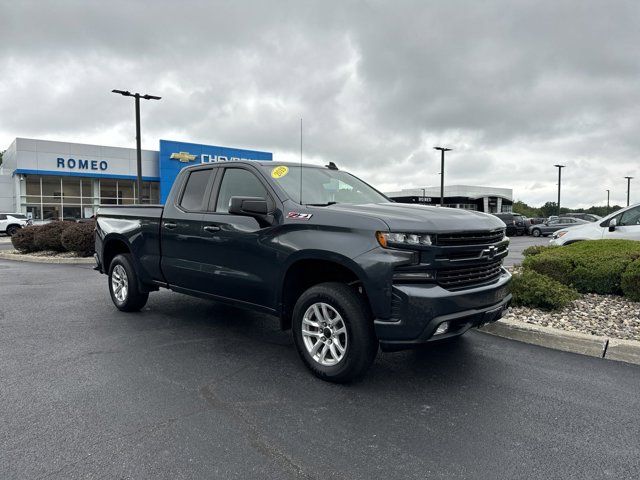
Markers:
<point>184,157</point>
<point>490,252</point>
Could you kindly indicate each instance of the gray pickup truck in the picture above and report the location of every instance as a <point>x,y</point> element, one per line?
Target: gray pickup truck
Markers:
<point>342,266</point>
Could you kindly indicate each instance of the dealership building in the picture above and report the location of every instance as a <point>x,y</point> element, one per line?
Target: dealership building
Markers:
<point>482,199</point>
<point>60,180</point>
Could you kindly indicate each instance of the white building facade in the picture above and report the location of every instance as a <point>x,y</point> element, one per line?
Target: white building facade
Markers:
<point>482,199</point>
<point>61,180</point>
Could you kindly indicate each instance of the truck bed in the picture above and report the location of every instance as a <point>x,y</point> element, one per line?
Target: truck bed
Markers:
<point>139,227</point>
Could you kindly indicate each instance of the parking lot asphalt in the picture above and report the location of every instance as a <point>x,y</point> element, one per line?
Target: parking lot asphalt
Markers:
<point>194,389</point>
<point>518,244</point>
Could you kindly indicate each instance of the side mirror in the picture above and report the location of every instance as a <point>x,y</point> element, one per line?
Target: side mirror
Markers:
<point>613,223</point>
<point>250,206</point>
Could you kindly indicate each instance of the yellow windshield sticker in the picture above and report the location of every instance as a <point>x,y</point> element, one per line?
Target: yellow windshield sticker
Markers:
<point>279,172</point>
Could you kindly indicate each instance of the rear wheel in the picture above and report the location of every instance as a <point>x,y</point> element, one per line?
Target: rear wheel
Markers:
<point>333,332</point>
<point>536,232</point>
<point>12,229</point>
<point>123,285</point>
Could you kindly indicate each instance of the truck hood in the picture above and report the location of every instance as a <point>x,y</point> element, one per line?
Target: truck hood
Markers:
<point>401,217</point>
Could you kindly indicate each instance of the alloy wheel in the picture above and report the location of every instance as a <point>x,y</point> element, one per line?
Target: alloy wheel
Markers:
<point>119,283</point>
<point>324,334</point>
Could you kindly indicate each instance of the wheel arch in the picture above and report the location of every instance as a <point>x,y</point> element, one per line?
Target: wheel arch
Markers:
<point>114,245</point>
<point>312,268</point>
<point>17,225</point>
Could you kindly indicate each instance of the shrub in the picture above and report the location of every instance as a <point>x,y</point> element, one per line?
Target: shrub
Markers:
<point>590,266</point>
<point>49,236</point>
<point>79,238</point>
<point>631,281</point>
<point>536,249</point>
<point>532,289</point>
<point>23,240</point>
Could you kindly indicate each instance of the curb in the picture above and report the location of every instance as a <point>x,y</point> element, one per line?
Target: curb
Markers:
<point>34,259</point>
<point>582,343</point>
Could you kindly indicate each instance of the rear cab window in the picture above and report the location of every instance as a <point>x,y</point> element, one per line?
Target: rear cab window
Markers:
<point>193,194</point>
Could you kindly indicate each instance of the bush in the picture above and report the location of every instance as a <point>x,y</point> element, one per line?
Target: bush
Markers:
<point>23,240</point>
<point>536,249</point>
<point>79,238</point>
<point>49,236</point>
<point>590,266</point>
<point>630,283</point>
<point>531,289</point>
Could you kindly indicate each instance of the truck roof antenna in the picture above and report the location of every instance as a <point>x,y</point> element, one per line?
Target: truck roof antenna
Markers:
<point>301,161</point>
<point>332,166</point>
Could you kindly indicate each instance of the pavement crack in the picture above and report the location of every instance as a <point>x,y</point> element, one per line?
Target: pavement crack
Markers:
<point>256,439</point>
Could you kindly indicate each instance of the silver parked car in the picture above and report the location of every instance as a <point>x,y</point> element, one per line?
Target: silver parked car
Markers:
<point>623,224</point>
<point>550,226</point>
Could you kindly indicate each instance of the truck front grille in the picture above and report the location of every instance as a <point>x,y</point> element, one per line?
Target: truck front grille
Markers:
<point>470,238</point>
<point>461,277</point>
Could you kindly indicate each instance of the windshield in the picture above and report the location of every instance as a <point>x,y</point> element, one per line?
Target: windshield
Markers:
<point>322,186</point>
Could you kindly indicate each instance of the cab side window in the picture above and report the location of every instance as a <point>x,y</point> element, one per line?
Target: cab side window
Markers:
<point>193,195</point>
<point>238,182</point>
<point>630,217</point>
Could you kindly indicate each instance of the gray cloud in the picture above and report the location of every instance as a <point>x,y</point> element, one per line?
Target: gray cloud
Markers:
<point>514,87</point>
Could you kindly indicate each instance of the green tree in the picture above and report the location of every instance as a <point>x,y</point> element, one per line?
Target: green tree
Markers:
<point>549,208</point>
<point>1,154</point>
<point>522,208</point>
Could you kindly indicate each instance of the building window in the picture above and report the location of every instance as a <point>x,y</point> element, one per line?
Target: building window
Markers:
<point>71,198</point>
<point>123,192</point>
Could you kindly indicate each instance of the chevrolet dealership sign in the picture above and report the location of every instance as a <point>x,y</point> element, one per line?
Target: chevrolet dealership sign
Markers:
<point>174,156</point>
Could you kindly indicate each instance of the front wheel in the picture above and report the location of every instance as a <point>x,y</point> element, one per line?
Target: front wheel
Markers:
<point>334,333</point>
<point>12,229</point>
<point>536,232</point>
<point>123,285</point>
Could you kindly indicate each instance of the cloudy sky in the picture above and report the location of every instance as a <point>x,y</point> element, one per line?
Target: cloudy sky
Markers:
<point>513,86</point>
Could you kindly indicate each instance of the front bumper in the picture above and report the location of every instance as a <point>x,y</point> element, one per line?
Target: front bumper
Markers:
<point>419,309</point>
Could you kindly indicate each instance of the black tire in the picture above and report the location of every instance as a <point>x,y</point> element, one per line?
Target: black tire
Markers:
<point>361,342</point>
<point>536,232</point>
<point>12,229</point>
<point>133,299</point>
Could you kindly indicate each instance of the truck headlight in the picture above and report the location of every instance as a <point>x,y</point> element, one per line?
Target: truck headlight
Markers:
<point>394,239</point>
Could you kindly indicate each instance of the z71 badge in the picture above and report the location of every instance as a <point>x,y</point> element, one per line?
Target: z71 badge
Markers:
<point>299,216</point>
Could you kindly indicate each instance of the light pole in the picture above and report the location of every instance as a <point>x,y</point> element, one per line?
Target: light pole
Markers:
<point>560,167</point>
<point>442,150</point>
<point>137,96</point>
<point>608,195</point>
<point>628,189</point>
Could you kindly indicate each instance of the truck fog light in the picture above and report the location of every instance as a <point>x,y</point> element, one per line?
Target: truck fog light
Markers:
<point>412,276</point>
<point>442,328</point>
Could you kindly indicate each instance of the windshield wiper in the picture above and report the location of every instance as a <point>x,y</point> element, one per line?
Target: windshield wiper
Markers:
<point>321,204</point>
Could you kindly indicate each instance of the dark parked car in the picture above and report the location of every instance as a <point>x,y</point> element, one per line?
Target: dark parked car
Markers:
<point>537,220</point>
<point>516,224</point>
<point>344,267</point>
<point>551,226</point>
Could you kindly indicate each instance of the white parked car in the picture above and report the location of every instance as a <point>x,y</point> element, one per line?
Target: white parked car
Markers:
<point>10,223</point>
<point>623,224</point>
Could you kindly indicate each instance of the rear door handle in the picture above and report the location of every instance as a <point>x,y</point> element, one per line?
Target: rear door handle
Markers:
<point>169,225</point>
<point>211,228</point>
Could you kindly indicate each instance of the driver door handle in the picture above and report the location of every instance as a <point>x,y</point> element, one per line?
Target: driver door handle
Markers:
<point>211,228</point>
<point>170,225</point>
